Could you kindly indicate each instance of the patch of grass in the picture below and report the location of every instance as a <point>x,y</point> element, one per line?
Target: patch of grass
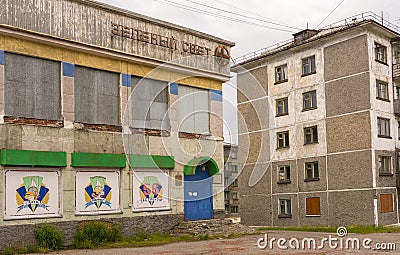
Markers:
<point>142,239</point>
<point>95,234</point>
<point>350,229</point>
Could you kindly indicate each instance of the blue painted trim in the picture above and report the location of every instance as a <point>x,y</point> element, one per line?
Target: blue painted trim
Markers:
<point>1,57</point>
<point>126,80</point>
<point>68,69</point>
<point>173,88</point>
<point>216,95</point>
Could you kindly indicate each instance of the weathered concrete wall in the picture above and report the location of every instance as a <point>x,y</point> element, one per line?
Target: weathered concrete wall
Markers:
<point>130,226</point>
<point>339,59</point>
<point>91,23</point>
<point>351,170</point>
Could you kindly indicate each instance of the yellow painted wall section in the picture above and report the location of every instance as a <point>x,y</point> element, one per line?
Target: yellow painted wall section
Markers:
<point>35,49</point>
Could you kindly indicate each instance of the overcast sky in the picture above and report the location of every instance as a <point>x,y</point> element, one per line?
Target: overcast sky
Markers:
<point>248,38</point>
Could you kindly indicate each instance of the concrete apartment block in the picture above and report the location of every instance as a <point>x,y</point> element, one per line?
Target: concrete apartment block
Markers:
<point>332,126</point>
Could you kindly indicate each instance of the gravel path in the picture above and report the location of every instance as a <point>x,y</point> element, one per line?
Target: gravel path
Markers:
<point>248,245</point>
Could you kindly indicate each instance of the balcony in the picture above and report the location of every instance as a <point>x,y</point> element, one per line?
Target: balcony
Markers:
<point>396,71</point>
<point>396,106</point>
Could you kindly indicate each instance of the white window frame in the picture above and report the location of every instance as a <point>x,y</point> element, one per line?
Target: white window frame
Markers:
<point>308,65</point>
<point>285,169</point>
<point>314,170</point>
<point>283,104</point>
<point>380,53</point>
<point>385,165</point>
<point>287,205</point>
<point>283,136</point>
<point>382,90</point>
<point>383,127</point>
<point>308,97</point>
<point>281,73</point>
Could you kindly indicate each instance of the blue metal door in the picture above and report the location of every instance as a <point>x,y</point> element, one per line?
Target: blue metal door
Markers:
<point>198,195</point>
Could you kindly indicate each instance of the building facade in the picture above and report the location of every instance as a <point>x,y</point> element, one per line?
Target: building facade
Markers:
<point>98,118</point>
<point>319,129</point>
<point>231,173</point>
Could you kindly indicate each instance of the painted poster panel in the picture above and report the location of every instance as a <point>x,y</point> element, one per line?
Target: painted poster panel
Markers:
<point>97,192</point>
<point>150,190</point>
<point>31,194</point>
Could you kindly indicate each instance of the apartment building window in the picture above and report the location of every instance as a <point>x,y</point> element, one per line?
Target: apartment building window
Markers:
<point>226,195</point>
<point>285,208</point>
<point>282,106</point>
<point>281,74</point>
<point>382,90</point>
<point>398,129</point>
<point>386,203</point>
<point>311,171</point>
<point>384,128</point>
<point>235,209</point>
<point>235,195</point>
<point>308,65</point>
<point>313,206</point>
<point>310,100</point>
<point>310,135</point>
<point>235,183</point>
<point>283,174</point>
<point>397,92</point>
<point>385,165</point>
<point>380,53</point>
<point>282,139</point>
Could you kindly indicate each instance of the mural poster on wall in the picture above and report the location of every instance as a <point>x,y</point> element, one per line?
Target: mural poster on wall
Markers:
<point>97,192</point>
<point>31,194</point>
<point>150,190</point>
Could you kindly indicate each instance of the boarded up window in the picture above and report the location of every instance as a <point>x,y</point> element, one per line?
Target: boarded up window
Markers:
<point>149,102</point>
<point>313,206</point>
<point>32,87</point>
<point>386,201</point>
<point>96,96</point>
<point>193,110</point>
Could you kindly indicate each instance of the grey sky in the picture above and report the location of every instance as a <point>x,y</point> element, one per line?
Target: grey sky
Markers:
<point>249,38</point>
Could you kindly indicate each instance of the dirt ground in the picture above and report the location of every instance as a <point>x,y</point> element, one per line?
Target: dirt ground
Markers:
<point>248,245</point>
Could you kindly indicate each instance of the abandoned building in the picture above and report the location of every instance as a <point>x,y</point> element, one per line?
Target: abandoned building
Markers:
<point>231,172</point>
<point>319,129</point>
<point>67,71</point>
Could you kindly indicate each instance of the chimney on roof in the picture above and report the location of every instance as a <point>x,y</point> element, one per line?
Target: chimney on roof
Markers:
<point>304,35</point>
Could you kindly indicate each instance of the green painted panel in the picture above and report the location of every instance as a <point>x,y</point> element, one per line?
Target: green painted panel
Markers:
<point>151,161</point>
<point>86,159</point>
<point>210,163</point>
<point>32,158</point>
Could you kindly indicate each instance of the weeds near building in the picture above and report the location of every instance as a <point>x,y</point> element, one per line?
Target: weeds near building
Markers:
<point>96,233</point>
<point>48,237</point>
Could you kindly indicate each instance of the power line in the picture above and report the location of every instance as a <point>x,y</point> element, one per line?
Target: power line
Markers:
<point>250,12</point>
<point>197,10</point>
<point>244,16</point>
<point>337,6</point>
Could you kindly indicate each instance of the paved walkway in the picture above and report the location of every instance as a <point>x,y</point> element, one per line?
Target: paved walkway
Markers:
<point>248,245</point>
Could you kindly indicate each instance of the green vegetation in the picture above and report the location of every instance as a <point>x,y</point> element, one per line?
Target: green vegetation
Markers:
<point>95,234</point>
<point>350,229</point>
<point>48,237</point>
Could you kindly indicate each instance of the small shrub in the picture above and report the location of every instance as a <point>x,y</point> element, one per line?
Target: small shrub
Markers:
<point>95,233</point>
<point>31,248</point>
<point>48,237</point>
<point>10,251</point>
